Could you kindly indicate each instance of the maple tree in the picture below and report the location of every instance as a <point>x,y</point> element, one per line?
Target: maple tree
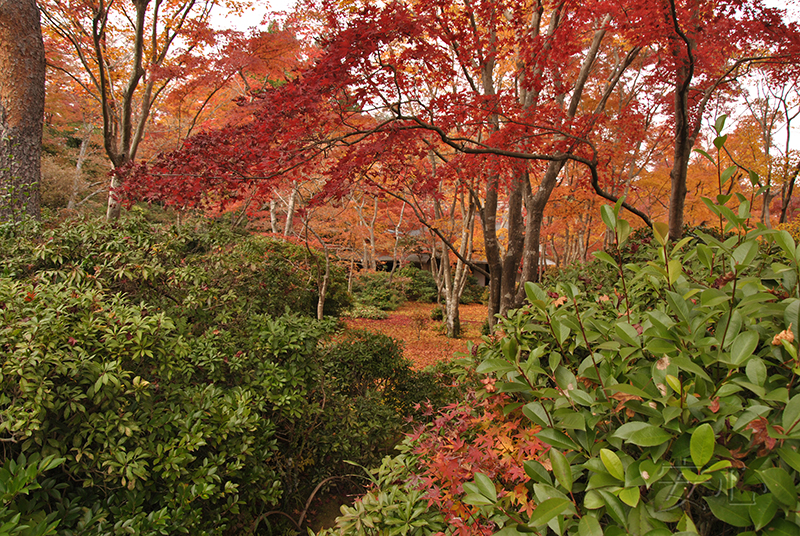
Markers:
<point>507,92</point>
<point>22,76</point>
<point>128,55</point>
<point>709,45</point>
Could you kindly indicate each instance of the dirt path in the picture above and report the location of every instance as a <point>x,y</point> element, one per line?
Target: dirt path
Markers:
<point>424,339</point>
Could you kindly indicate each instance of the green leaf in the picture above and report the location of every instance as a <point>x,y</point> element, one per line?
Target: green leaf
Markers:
<point>791,414</point>
<point>791,457</point>
<point>690,366</point>
<point>743,346</point>
<point>727,174</point>
<point>719,124</point>
<point>475,499</point>
<point>791,316</point>
<point>510,349</point>
<point>782,527</point>
<point>612,464</point>
<point>781,485</point>
<point>652,472</point>
<point>614,508</point>
<point>762,510</point>
<point>705,255</point>
<point>547,510</point>
<point>556,438</point>
<point>745,253</point>
<point>756,371</point>
<point>534,292</point>
<point>649,436</point>
<point>784,239</point>
<point>561,468</point>
<point>495,365</point>
<point>719,141</point>
<point>755,180</point>
<point>606,258</point>
<point>631,390</point>
<point>628,334</point>
<point>661,232</point>
<point>705,154</point>
<point>630,496</point>
<point>486,487</point>
<point>589,526</point>
<point>607,213</point>
<point>701,445</point>
<point>536,413</point>
<point>536,471</point>
<point>731,514</point>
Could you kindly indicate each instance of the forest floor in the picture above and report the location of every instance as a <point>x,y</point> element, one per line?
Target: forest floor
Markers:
<point>425,341</point>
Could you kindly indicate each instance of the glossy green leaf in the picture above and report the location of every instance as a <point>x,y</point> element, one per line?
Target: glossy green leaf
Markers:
<point>561,468</point>
<point>547,510</point>
<point>791,414</point>
<point>791,457</point>
<point>630,496</point>
<point>485,487</point>
<point>612,464</point>
<point>763,510</point>
<point>557,439</point>
<point>781,485</point>
<point>756,371</point>
<point>782,527</point>
<point>731,514</point>
<point>701,445</point>
<point>743,346</point>
<point>784,239</point>
<point>661,232</point>
<point>605,257</point>
<point>614,507</point>
<point>536,413</point>
<point>727,174</point>
<point>589,526</point>
<point>649,436</point>
<point>607,214</point>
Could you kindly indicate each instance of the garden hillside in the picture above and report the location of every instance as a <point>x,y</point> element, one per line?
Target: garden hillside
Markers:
<point>165,380</point>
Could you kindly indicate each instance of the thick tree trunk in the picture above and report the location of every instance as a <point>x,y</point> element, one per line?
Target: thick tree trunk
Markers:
<point>22,73</point>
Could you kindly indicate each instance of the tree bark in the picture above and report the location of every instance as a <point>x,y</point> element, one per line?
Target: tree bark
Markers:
<point>22,74</point>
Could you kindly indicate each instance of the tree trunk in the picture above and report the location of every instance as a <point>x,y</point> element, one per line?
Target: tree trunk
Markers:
<point>22,73</point>
<point>76,182</point>
<point>290,209</point>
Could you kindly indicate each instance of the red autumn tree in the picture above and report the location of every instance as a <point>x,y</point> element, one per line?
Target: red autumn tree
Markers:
<point>513,89</point>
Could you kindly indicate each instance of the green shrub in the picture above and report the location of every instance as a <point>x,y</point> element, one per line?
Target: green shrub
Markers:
<point>373,289</point>
<point>658,415</point>
<point>437,313</point>
<point>201,274</point>
<point>420,286</point>
<point>146,360</point>
<point>473,293</point>
<point>670,405</point>
<point>368,312</point>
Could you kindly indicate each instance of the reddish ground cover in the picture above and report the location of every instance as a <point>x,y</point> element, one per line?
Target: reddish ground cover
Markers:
<point>423,338</point>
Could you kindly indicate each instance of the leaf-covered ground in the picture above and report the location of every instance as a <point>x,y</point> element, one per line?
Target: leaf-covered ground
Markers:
<point>424,339</point>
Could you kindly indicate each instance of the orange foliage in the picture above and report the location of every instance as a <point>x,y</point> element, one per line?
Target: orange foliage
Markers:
<point>423,338</point>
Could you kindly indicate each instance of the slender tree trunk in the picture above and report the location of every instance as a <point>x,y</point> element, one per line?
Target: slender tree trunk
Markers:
<point>22,74</point>
<point>290,209</point>
<point>73,196</point>
<point>273,215</point>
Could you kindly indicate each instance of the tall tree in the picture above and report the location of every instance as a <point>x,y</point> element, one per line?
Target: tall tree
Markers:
<point>514,89</point>
<point>22,75</point>
<point>126,55</point>
<point>710,44</point>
